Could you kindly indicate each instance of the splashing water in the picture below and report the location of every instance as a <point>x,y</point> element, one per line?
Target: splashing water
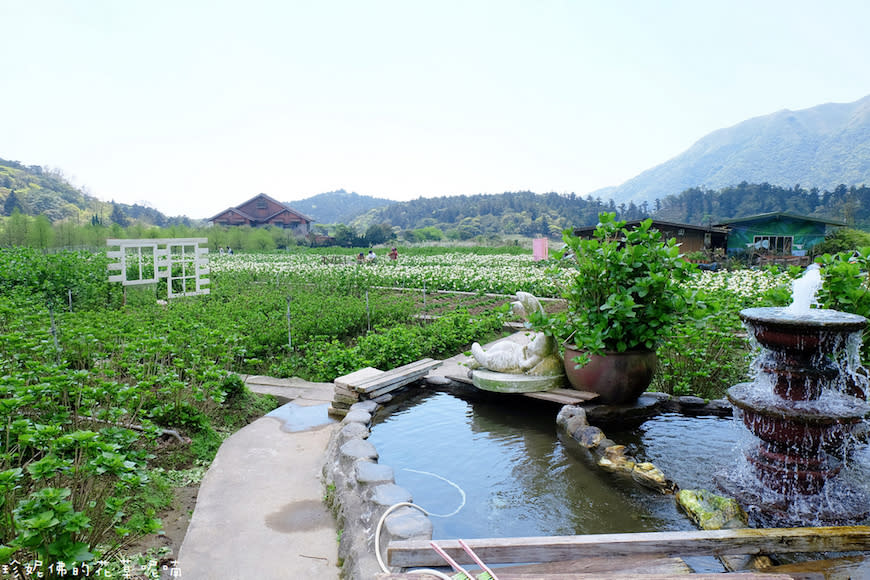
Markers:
<point>804,290</point>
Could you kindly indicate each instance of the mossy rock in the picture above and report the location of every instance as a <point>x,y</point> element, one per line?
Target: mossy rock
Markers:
<point>710,511</point>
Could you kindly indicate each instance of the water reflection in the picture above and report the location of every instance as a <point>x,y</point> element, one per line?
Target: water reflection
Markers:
<point>520,479</point>
<point>691,451</point>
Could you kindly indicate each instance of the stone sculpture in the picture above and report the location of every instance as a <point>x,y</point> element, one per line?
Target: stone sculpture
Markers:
<point>514,367</point>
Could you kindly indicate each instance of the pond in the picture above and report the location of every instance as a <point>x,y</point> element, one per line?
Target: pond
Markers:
<point>512,475</point>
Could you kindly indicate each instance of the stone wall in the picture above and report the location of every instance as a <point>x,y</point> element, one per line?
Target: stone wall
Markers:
<point>360,490</point>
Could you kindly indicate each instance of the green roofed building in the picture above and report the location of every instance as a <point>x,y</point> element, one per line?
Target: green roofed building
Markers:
<point>779,233</point>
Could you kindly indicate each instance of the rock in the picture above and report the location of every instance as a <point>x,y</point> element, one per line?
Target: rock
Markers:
<point>352,431</point>
<point>407,523</point>
<point>368,474</point>
<point>567,412</point>
<point>576,422</point>
<point>645,407</point>
<point>345,399</point>
<point>382,497</point>
<point>710,511</point>
<point>367,406</point>
<point>336,412</point>
<point>720,408</point>
<point>661,397</point>
<point>651,476</point>
<point>357,417</point>
<point>588,436</point>
<point>689,402</point>
<point>614,452</point>
<point>437,380</point>
<point>354,450</point>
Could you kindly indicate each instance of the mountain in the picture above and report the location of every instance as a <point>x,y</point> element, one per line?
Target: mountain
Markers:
<point>823,146</point>
<point>34,190</point>
<point>339,206</point>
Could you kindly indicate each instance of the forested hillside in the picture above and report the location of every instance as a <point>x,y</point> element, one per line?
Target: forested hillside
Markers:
<point>35,191</point>
<point>530,214</point>
<point>698,206</point>
<point>513,213</point>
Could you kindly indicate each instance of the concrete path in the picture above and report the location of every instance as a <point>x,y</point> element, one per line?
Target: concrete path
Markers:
<point>260,512</point>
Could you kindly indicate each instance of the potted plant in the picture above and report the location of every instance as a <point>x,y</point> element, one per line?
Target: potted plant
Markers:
<point>624,287</point>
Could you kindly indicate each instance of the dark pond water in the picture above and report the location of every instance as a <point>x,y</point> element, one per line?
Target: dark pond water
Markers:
<point>519,479</point>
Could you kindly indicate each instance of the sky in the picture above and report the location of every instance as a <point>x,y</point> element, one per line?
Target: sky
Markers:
<point>193,106</point>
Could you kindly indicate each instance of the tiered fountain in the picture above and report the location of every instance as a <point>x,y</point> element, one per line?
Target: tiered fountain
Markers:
<point>806,404</point>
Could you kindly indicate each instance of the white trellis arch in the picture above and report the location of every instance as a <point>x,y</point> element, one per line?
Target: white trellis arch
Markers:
<point>182,262</point>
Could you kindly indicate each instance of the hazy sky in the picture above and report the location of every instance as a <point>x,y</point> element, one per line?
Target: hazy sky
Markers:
<point>194,106</point>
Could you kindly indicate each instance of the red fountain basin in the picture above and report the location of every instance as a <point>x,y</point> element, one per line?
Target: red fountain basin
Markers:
<point>808,426</point>
<point>818,331</point>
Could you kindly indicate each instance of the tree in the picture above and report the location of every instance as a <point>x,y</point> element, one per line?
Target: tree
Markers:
<point>258,239</point>
<point>12,203</point>
<point>345,236</point>
<point>41,235</point>
<point>379,234</point>
<point>16,228</point>
<point>118,216</point>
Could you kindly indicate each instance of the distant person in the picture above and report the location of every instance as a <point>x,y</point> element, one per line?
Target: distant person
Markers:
<point>221,250</point>
<point>394,255</point>
<point>371,257</point>
<point>360,258</point>
<point>229,251</point>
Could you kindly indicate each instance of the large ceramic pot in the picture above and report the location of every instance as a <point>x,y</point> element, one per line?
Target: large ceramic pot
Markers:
<point>617,377</point>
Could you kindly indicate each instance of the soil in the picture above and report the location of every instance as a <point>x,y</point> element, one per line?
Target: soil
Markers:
<point>175,520</point>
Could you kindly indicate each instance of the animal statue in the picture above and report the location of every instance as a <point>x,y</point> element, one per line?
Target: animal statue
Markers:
<point>539,357</point>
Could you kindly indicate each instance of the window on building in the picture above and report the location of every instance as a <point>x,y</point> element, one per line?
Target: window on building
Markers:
<point>775,244</point>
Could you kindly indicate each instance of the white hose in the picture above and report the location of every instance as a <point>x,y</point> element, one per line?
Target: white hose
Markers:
<point>444,479</point>
<point>381,563</point>
<point>396,506</point>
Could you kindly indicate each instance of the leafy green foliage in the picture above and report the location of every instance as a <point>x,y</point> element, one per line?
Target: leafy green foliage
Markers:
<point>843,240</point>
<point>624,287</point>
<point>390,347</point>
<point>846,286</point>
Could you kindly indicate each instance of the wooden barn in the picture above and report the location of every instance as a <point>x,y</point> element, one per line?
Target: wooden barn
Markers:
<point>262,210</point>
<point>691,238</point>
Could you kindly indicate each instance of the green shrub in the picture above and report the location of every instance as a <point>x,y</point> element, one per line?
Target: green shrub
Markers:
<point>846,286</point>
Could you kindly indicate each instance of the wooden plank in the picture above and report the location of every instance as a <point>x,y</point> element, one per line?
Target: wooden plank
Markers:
<point>389,384</point>
<point>627,565</point>
<point>412,553</point>
<point>356,376</point>
<point>848,567</point>
<point>396,383</point>
<point>397,374</point>
<point>607,575</point>
<point>586,395</point>
<point>397,378</point>
<point>365,382</point>
<point>563,396</point>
